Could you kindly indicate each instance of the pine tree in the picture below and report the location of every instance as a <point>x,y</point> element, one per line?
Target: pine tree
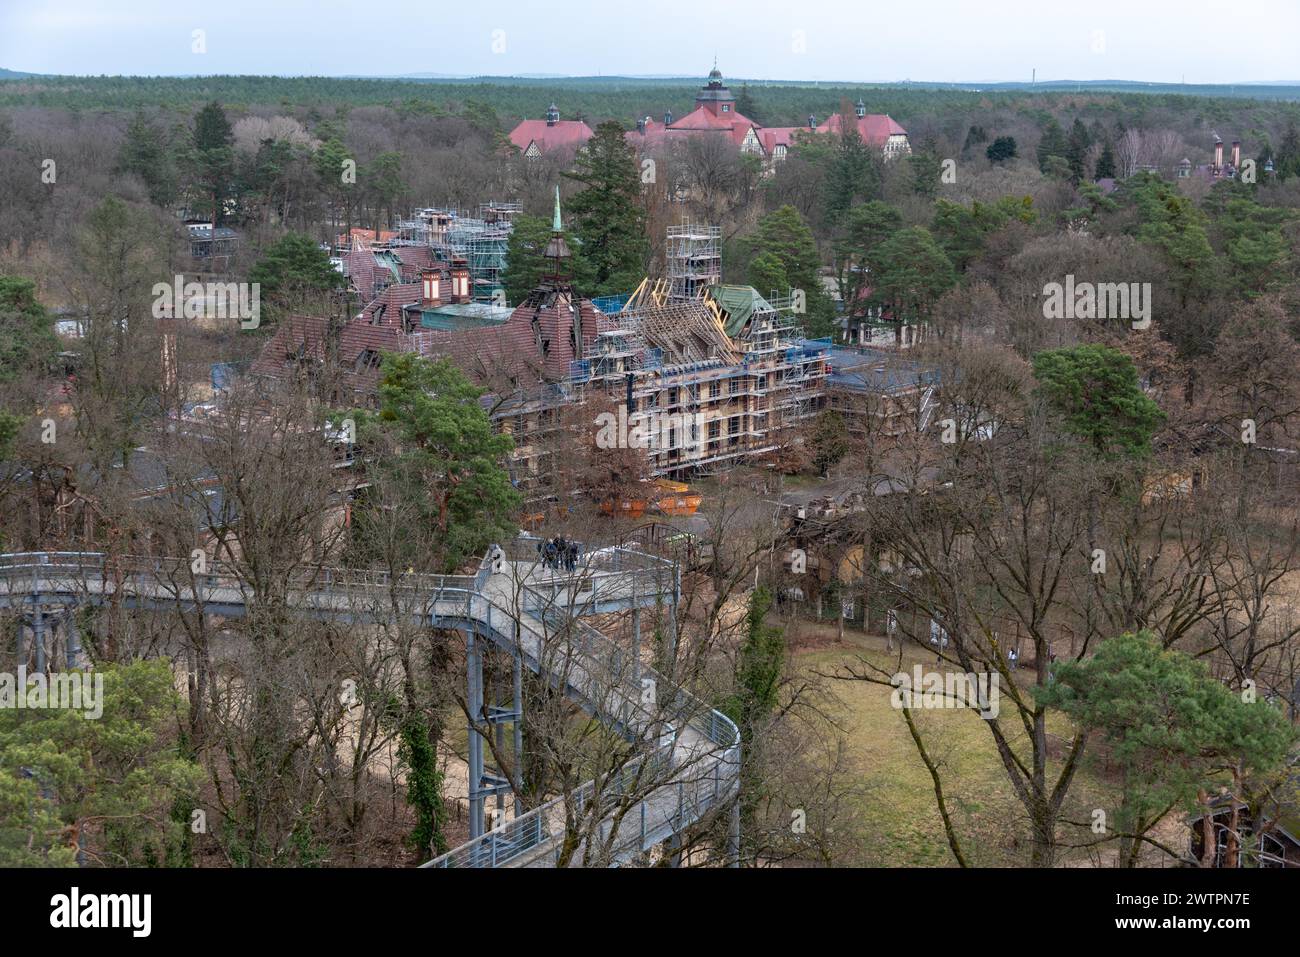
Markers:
<point>608,217</point>
<point>1001,149</point>
<point>783,238</point>
<point>1052,143</point>
<point>145,153</point>
<point>212,158</point>
<point>745,105</point>
<point>913,272</point>
<point>526,262</point>
<point>1076,150</point>
<point>1105,164</point>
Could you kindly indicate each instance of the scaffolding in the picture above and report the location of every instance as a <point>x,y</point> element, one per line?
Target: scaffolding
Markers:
<point>480,240</point>
<point>694,258</point>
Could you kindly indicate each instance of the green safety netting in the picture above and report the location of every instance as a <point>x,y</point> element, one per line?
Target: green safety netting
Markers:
<point>739,303</point>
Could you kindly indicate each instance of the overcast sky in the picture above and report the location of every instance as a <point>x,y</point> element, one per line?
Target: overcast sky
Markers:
<point>853,40</point>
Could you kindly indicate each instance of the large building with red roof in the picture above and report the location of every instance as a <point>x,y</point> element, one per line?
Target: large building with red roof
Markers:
<point>535,137</point>
<point>715,114</point>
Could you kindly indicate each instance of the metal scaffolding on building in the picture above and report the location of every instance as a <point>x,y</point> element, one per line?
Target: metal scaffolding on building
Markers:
<point>694,258</point>
<point>480,240</point>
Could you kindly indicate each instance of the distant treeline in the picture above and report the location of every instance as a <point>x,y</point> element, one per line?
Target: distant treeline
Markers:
<point>626,98</point>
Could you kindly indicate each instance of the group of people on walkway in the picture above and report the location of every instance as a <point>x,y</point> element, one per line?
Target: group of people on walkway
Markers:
<point>559,554</point>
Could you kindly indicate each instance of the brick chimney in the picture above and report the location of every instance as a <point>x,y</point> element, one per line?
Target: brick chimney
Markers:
<point>459,281</point>
<point>1236,154</point>
<point>431,294</point>
<point>1218,153</point>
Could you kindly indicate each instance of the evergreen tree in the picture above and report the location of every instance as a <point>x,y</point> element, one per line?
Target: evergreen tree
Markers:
<point>745,105</point>
<point>754,696</point>
<point>851,170</point>
<point>1169,726</point>
<point>382,177</point>
<point>912,273</point>
<point>526,262</point>
<point>27,339</point>
<point>212,158</point>
<point>926,170</point>
<point>783,237</point>
<point>1105,164</point>
<point>607,213</point>
<point>1001,149</point>
<point>294,263</point>
<point>975,136</point>
<point>450,453</point>
<point>1095,389</point>
<point>115,779</point>
<point>866,227</point>
<point>145,153</point>
<point>1052,143</point>
<point>1287,163</point>
<point>1076,151</point>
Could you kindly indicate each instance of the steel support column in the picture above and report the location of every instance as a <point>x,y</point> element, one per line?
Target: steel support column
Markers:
<point>733,835</point>
<point>71,640</point>
<point>39,631</point>
<point>517,677</point>
<point>636,645</point>
<point>474,682</point>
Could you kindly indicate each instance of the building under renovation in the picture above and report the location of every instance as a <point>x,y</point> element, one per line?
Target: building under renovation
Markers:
<point>703,373</point>
<point>481,240</point>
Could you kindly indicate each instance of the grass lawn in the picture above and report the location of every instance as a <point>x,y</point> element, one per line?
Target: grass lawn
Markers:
<point>901,811</point>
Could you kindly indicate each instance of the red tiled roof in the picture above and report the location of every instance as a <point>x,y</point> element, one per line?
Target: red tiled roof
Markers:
<point>386,310</point>
<point>549,137</point>
<point>650,138</point>
<point>773,136</point>
<point>535,344</point>
<point>701,119</point>
<point>874,128</point>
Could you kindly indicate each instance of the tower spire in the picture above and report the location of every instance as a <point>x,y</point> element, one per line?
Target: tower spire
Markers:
<point>557,250</point>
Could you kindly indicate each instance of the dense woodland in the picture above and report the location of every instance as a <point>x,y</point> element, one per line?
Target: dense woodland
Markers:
<point>1069,433</point>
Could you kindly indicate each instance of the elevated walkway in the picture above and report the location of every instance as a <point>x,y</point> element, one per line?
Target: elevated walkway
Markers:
<point>689,755</point>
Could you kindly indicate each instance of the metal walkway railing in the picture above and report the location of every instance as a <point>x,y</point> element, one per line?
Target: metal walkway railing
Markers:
<point>691,764</point>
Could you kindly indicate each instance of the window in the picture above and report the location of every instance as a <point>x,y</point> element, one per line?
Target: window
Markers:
<point>726,107</point>
<point>715,389</point>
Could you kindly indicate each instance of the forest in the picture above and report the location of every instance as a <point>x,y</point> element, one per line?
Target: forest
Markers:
<point>1105,497</point>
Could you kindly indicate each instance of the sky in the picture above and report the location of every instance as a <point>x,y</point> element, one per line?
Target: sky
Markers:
<point>841,40</point>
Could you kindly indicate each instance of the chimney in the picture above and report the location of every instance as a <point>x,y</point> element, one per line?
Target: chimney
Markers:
<point>459,281</point>
<point>432,292</point>
<point>1218,153</point>
<point>1236,154</point>
<point>171,380</point>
